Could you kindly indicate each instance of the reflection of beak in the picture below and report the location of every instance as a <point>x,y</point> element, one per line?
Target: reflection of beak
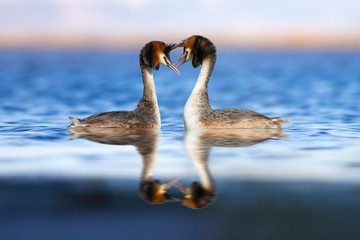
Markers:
<point>184,189</point>
<point>174,199</point>
<point>171,66</point>
<point>166,186</point>
<point>183,57</point>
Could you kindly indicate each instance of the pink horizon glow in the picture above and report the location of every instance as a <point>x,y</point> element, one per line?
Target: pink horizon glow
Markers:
<point>130,23</point>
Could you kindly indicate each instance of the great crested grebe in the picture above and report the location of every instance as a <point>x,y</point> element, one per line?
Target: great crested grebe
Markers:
<point>198,144</point>
<point>147,114</point>
<point>198,112</point>
<point>146,143</point>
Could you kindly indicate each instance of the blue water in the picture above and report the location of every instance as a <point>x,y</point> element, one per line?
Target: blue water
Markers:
<point>320,155</point>
<point>319,91</point>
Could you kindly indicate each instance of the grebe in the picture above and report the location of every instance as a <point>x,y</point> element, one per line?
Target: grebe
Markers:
<point>198,112</point>
<point>147,114</point>
<point>198,144</point>
<point>146,143</point>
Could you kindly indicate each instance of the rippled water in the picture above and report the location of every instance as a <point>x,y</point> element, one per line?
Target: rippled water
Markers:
<point>320,149</point>
<point>319,91</point>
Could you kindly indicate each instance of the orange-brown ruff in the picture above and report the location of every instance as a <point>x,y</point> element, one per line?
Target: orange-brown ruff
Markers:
<point>146,143</point>
<point>198,112</point>
<point>198,144</point>
<point>147,114</point>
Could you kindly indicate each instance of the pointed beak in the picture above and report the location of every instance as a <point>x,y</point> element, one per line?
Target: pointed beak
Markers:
<point>183,188</point>
<point>171,66</point>
<point>166,186</point>
<point>183,59</point>
<point>175,199</point>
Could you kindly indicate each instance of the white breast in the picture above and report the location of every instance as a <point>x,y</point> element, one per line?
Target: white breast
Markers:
<point>193,106</point>
<point>191,114</point>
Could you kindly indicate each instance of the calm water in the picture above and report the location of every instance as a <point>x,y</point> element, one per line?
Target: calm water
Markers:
<point>301,184</point>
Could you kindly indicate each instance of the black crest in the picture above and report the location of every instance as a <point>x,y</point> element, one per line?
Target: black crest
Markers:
<point>168,48</point>
<point>201,48</point>
<point>201,196</point>
<point>147,189</point>
<point>147,54</point>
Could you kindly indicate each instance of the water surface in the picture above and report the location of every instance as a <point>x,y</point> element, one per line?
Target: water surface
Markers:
<point>299,184</point>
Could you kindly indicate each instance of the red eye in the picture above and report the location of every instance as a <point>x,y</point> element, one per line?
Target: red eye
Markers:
<point>164,58</point>
<point>187,52</point>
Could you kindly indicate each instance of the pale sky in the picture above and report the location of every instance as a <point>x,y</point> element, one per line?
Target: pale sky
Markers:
<point>219,18</point>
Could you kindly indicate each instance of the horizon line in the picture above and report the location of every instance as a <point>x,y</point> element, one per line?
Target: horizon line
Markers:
<point>136,40</point>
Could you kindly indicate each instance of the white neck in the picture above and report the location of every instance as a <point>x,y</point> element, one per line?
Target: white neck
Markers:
<point>149,93</point>
<point>149,159</point>
<point>148,170</point>
<point>149,85</point>
<point>204,175</point>
<point>203,78</point>
<point>199,155</point>
<point>198,99</point>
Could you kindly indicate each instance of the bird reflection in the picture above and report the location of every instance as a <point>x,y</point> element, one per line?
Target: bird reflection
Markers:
<point>198,144</point>
<point>146,142</point>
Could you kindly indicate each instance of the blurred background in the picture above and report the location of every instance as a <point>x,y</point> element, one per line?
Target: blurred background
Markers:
<point>230,23</point>
<point>295,59</point>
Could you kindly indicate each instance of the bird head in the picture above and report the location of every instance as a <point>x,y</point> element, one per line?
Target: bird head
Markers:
<point>152,191</point>
<point>196,49</point>
<point>155,53</point>
<point>196,196</point>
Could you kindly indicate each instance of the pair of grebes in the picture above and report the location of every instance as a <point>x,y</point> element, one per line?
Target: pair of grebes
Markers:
<point>198,144</point>
<point>198,114</point>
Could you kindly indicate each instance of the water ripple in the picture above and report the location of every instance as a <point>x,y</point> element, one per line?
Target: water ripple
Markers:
<point>319,91</point>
